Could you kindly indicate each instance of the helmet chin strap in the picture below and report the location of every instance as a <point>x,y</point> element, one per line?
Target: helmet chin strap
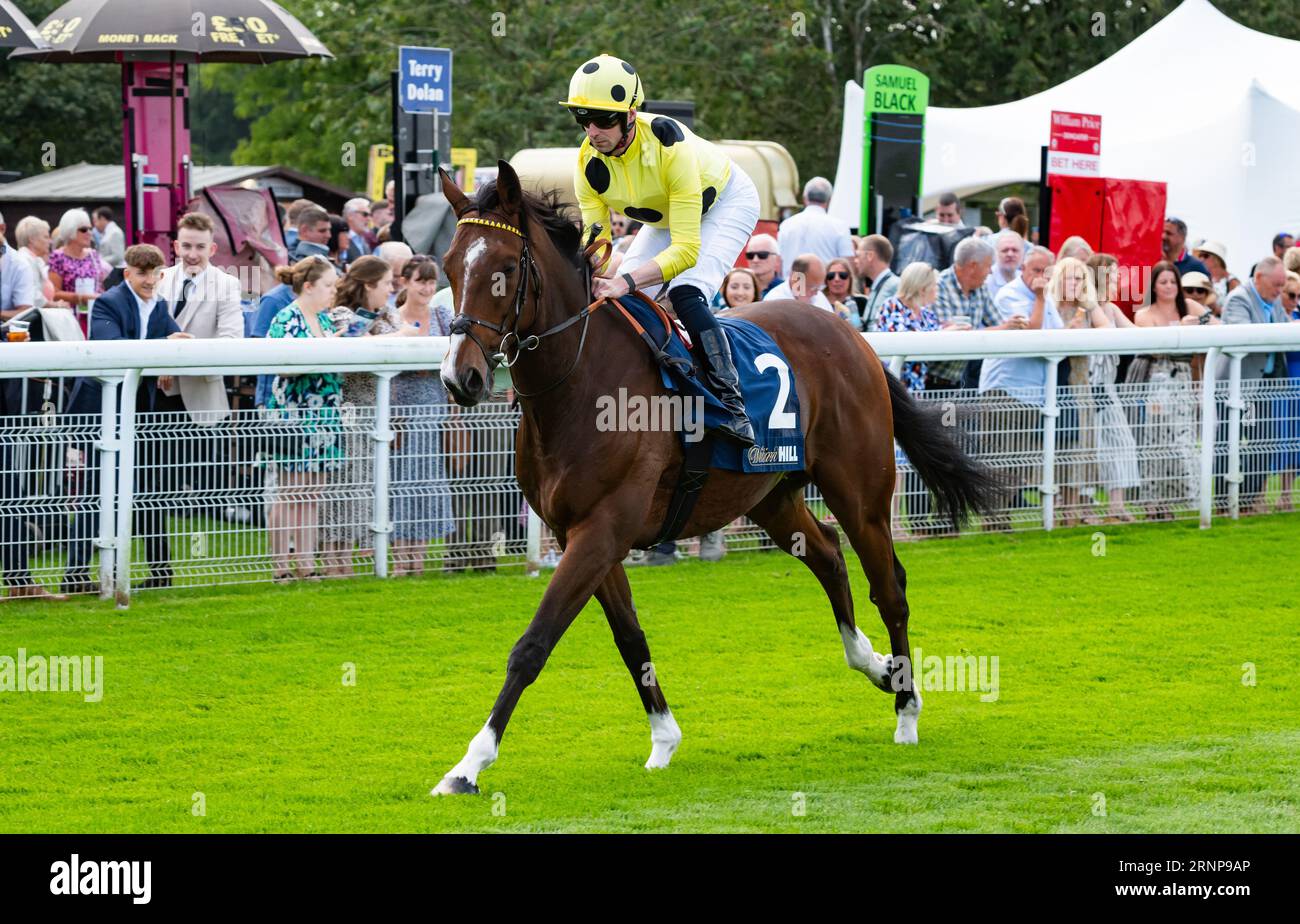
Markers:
<point>628,122</point>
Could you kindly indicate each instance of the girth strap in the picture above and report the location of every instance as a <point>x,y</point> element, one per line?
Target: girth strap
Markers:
<point>690,482</point>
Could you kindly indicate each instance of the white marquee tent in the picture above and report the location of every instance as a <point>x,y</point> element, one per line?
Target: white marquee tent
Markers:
<point>1197,101</point>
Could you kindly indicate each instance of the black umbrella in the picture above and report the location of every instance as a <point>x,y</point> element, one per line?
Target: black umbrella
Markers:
<point>16,30</point>
<point>250,31</point>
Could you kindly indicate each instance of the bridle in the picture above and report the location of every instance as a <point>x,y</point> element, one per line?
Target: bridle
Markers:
<point>464,323</point>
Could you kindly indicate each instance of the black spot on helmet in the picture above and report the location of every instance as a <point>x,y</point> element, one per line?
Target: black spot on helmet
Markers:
<point>629,68</point>
<point>648,216</point>
<point>597,174</point>
<point>667,131</point>
<point>617,92</point>
<point>591,67</point>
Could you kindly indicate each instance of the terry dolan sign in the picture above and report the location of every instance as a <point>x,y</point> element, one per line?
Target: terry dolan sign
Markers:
<point>424,79</point>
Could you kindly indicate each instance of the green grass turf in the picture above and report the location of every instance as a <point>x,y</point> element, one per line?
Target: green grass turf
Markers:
<point>1120,675</point>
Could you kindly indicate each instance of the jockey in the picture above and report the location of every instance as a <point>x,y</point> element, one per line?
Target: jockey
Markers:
<point>697,206</point>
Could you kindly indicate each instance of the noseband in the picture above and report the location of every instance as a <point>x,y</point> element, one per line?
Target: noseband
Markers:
<point>507,352</point>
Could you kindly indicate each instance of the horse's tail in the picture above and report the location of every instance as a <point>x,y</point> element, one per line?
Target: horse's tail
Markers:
<point>959,483</point>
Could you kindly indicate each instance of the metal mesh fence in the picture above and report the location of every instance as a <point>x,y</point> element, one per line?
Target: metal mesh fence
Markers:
<point>257,496</point>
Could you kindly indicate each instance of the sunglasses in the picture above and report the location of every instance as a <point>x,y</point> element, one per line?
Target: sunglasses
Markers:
<point>585,117</point>
<point>1292,294</point>
<point>757,254</point>
<point>1196,291</point>
<point>83,230</point>
<point>838,274</point>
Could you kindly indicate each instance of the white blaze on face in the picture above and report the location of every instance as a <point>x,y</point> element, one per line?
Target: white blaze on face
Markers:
<point>448,367</point>
<point>472,255</point>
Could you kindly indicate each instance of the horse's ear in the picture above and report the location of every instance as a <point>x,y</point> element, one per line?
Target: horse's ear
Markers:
<point>509,189</point>
<point>459,201</point>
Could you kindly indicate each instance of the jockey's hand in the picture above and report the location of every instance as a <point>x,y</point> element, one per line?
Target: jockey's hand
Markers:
<point>607,287</point>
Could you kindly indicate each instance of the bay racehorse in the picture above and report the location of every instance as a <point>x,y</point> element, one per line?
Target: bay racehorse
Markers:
<point>517,270</point>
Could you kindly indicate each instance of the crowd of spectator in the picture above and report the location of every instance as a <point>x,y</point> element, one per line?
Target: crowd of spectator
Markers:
<point>311,431</point>
<point>1004,281</point>
<point>345,277</point>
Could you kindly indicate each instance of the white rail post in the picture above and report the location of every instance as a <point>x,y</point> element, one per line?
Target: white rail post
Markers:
<point>1208,424</point>
<point>1048,488</point>
<point>1235,407</point>
<point>381,525</point>
<point>125,487</point>
<point>533,565</point>
<point>896,365</point>
<point>107,445</point>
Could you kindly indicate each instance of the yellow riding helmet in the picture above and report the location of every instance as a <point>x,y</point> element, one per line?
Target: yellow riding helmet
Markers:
<point>606,83</point>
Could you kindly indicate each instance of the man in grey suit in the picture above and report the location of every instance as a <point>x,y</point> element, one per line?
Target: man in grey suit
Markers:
<point>205,303</point>
<point>429,226</point>
<point>1256,302</point>
<point>112,240</point>
<point>874,254</point>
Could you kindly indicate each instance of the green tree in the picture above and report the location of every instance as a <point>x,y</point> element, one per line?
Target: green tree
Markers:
<point>738,61</point>
<point>215,130</point>
<point>754,69</point>
<point>56,115</point>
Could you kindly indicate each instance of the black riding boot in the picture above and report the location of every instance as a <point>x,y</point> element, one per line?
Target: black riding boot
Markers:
<point>720,372</point>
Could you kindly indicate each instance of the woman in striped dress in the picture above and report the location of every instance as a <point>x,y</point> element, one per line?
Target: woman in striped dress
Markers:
<point>1117,460</point>
<point>421,494</point>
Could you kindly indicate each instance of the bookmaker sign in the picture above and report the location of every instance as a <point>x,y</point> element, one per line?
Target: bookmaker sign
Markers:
<point>1075,148</point>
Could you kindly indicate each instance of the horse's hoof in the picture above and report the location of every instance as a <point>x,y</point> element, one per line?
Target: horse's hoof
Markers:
<point>905,732</point>
<point>659,760</point>
<point>454,786</point>
<point>664,738</point>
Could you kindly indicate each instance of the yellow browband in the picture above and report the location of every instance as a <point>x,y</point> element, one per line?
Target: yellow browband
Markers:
<point>491,224</point>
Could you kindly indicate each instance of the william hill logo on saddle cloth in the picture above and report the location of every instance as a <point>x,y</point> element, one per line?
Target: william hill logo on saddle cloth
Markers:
<point>766,383</point>
<point>758,456</point>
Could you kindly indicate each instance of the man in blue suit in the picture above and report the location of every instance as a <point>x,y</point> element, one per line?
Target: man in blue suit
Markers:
<point>130,310</point>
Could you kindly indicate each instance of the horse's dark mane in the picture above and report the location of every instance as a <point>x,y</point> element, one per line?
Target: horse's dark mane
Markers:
<point>547,211</point>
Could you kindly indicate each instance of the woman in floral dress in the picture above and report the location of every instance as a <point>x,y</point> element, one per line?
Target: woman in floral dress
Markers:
<point>909,310</point>
<point>308,443</point>
<point>76,261</point>
<point>349,509</point>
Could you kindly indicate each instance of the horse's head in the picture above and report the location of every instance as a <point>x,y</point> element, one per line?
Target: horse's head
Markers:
<point>489,265</point>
